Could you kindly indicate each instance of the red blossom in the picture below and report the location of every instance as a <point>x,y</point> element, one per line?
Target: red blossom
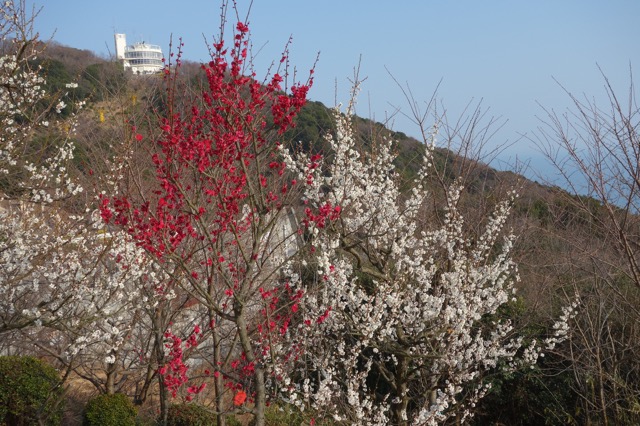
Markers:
<point>214,159</point>
<point>174,372</point>
<point>242,27</point>
<point>322,318</point>
<point>239,398</point>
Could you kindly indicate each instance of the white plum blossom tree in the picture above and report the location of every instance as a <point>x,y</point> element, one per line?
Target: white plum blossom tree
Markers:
<point>406,320</point>
<point>66,285</point>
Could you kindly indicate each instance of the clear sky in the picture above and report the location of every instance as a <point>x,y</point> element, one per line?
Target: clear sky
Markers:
<point>503,52</point>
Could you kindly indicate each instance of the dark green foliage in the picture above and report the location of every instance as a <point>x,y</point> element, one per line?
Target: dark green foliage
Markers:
<point>408,161</point>
<point>57,75</point>
<point>578,213</point>
<point>538,395</point>
<point>312,123</point>
<point>30,392</point>
<point>315,121</point>
<point>541,395</point>
<point>110,410</point>
<point>103,80</point>
<point>190,415</point>
<point>97,81</point>
<point>540,210</point>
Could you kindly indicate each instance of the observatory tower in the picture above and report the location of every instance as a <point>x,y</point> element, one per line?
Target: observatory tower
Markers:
<point>141,58</point>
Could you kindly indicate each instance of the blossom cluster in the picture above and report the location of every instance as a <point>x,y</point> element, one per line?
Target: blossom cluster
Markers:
<point>70,286</point>
<point>409,303</point>
<point>220,219</point>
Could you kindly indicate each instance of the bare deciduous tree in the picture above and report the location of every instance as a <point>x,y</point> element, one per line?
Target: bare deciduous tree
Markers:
<point>596,152</point>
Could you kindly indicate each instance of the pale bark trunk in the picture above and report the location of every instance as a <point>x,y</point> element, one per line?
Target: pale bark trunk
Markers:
<point>159,352</point>
<point>259,374</point>
<point>217,380</point>
<point>399,409</point>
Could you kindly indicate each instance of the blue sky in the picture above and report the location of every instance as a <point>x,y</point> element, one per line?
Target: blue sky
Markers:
<point>503,52</point>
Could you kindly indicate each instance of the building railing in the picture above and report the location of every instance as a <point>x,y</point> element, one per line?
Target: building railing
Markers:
<point>156,62</point>
<point>142,54</point>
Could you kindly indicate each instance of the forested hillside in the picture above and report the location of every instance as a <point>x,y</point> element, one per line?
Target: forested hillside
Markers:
<point>209,246</point>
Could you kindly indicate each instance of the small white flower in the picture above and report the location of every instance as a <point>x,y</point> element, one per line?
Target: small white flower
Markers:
<point>61,105</point>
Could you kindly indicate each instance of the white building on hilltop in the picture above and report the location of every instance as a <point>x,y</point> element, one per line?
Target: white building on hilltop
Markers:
<point>140,58</point>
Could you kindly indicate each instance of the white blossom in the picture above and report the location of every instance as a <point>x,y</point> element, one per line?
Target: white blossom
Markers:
<point>402,296</point>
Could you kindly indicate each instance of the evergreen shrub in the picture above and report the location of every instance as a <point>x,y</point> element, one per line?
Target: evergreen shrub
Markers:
<point>110,410</point>
<point>30,392</point>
